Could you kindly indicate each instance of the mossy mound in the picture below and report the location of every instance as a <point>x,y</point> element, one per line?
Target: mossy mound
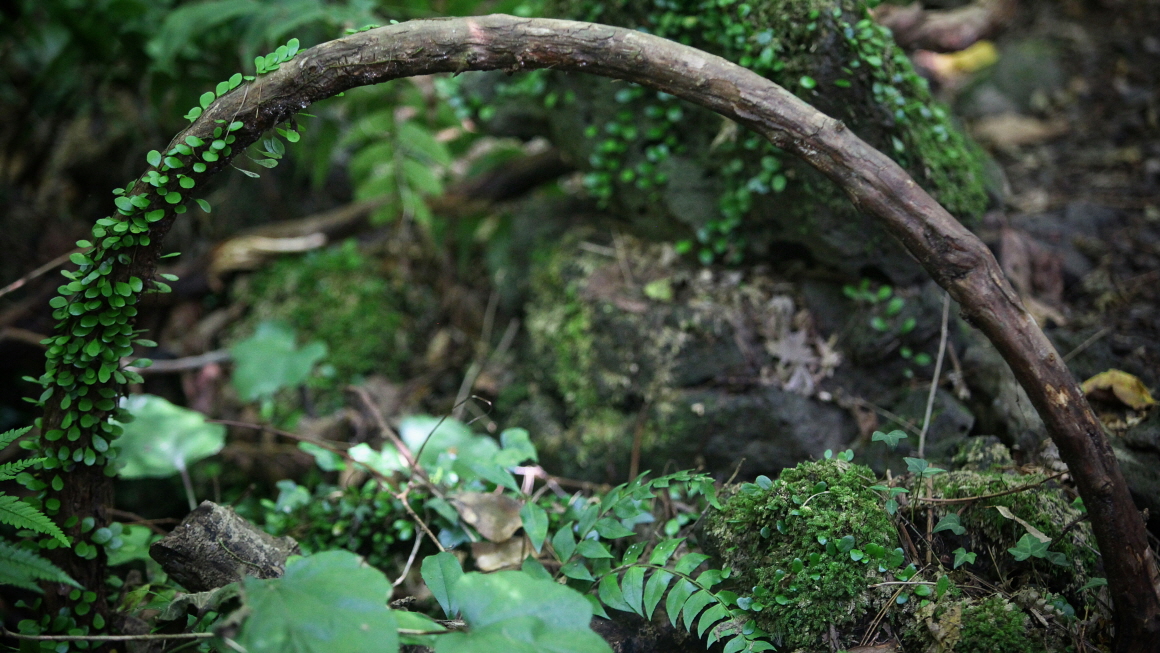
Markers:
<point>987,625</point>
<point>811,547</point>
<point>676,170</point>
<point>366,311</point>
<point>1041,505</point>
<point>702,367</point>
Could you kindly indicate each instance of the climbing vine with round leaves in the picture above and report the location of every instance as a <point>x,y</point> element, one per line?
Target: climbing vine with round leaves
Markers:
<point>88,363</point>
<point>652,123</point>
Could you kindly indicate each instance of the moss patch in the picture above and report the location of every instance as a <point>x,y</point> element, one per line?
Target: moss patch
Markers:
<point>791,544</point>
<point>365,312</point>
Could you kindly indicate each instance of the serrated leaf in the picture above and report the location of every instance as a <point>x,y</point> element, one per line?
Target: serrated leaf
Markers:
<point>535,521</point>
<point>735,645</point>
<point>9,470</point>
<point>610,594</point>
<point>441,572</point>
<point>331,602</point>
<point>689,562</point>
<point>710,617</point>
<point>23,568</point>
<point>693,607</point>
<point>611,529</point>
<point>10,436</point>
<point>632,588</point>
<point>654,590</point>
<point>675,601</point>
<point>15,512</point>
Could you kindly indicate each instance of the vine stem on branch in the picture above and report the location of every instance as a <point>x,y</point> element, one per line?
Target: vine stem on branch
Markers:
<point>954,257</point>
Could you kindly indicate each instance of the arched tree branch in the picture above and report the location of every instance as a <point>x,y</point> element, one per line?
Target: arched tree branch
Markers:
<point>956,259</point>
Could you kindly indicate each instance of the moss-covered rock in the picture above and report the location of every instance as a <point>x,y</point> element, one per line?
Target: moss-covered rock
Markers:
<point>676,170</point>
<point>991,624</point>
<point>700,366</point>
<point>1029,498</point>
<point>812,546</point>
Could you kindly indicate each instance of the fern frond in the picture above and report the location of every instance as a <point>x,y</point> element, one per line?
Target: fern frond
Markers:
<point>8,471</point>
<point>15,512</point>
<point>23,568</point>
<point>8,437</point>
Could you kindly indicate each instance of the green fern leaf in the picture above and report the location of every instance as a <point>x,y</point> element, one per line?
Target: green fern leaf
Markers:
<point>15,512</point>
<point>8,471</point>
<point>22,568</point>
<point>676,599</point>
<point>710,618</point>
<point>8,437</point>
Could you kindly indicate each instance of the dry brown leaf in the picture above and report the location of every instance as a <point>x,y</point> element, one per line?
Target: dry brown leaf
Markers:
<point>495,516</point>
<point>1012,130</point>
<point>1124,387</point>
<point>1035,532</point>
<point>490,556</point>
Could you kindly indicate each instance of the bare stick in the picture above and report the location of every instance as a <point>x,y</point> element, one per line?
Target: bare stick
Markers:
<point>942,349</point>
<point>47,267</point>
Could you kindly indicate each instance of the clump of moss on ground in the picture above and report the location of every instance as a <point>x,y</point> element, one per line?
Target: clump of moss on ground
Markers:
<point>366,314</point>
<point>786,543</point>
<point>1043,506</point>
<point>990,624</point>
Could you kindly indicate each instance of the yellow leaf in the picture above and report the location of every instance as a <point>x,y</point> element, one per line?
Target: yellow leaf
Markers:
<point>1128,389</point>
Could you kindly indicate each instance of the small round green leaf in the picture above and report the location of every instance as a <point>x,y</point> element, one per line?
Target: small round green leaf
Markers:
<point>206,99</point>
<point>154,158</point>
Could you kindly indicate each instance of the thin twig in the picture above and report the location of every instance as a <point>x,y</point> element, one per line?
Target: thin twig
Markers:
<point>381,422</point>
<point>184,364</point>
<point>44,269</point>
<point>942,350</point>
<point>992,496</point>
<point>410,561</point>
<point>1087,343</point>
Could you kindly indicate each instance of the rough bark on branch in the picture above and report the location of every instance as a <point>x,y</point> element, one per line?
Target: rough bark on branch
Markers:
<point>956,259</point>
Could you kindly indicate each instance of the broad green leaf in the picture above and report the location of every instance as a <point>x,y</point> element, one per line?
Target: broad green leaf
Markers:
<point>416,621</point>
<point>735,645</point>
<point>164,439</point>
<point>564,543</point>
<point>664,550</point>
<point>1093,583</point>
<point>944,583</point>
<point>632,588</point>
<point>577,569</point>
<point>689,562</point>
<point>533,568</point>
<point>23,568</point>
<point>891,439</point>
<point>710,617</point>
<point>593,549</point>
<point>201,602</point>
<point>135,542</point>
<point>610,529</point>
<point>421,177</point>
<point>950,522</point>
<point>331,602</point>
<point>512,612</point>
<point>270,360</point>
<point>676,599</point>
<point>694,605</point>
<point>654,590</point>
<point>1028,546</point>
<point>535,524</point>
<point>517,448</point>
<point>610,594</point>
<point>441,572</point>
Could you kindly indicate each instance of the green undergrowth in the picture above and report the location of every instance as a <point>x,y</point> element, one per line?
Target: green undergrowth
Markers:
<point>809,544</point>
<point>829,53</point>
<point>366,312</point>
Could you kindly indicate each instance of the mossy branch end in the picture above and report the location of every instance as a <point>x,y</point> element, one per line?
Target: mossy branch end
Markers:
<point>956,259</point>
